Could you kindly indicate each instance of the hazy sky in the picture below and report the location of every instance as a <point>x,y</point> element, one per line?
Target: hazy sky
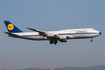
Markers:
<point>52,15</point>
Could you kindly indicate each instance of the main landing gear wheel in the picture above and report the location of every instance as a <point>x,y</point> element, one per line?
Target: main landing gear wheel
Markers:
<point>51,41</point>
<point>55,42</point>
<point>91,39</point>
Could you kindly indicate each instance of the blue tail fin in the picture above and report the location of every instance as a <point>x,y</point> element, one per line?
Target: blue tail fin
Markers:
<point>11,28</point>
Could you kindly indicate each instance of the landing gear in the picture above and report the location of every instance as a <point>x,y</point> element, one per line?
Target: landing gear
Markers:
<point>53,41</point>
<point>91,39</point>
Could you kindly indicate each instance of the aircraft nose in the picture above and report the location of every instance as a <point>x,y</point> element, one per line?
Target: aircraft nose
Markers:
<point>100,33</point>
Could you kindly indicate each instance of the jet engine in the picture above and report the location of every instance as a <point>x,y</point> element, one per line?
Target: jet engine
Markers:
<point>51,35</point>
<point>62,39</point>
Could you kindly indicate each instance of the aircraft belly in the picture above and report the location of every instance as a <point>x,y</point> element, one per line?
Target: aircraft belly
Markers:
<point>35,38</point>
<point>84,36</point>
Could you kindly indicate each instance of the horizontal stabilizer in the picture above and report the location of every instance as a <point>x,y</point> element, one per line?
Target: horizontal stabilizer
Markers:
<point>10,34</point>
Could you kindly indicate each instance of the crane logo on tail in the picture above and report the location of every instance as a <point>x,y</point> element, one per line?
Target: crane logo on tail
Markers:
<point>10,27</point>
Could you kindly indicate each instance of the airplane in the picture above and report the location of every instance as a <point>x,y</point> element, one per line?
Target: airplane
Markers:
<point>52,36</point>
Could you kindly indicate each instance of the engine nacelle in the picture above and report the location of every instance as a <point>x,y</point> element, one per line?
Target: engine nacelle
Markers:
<point>51,35</point>
<point>62,38</point>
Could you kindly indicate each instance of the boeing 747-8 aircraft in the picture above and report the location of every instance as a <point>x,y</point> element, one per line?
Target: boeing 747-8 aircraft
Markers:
<point>52,36</point>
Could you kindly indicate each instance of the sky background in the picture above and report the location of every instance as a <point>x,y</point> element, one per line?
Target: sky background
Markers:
<point>52,15</point>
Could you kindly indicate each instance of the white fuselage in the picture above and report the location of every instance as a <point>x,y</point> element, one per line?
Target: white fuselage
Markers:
<point>69,33</point>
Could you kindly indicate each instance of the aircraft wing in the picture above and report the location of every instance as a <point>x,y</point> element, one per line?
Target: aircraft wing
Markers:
<point>40,32</point>
<point>48,35</point>
<point>35,30</point>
